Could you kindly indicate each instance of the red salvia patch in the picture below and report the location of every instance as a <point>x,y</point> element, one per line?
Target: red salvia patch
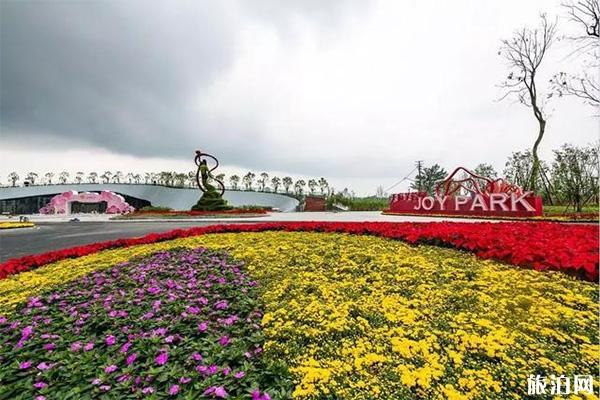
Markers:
<point>539,245</point>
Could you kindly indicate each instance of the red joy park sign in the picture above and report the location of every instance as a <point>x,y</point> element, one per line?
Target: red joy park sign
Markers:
<point>470,194</point>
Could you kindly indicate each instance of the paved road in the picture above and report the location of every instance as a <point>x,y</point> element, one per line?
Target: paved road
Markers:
<point>53,236</point>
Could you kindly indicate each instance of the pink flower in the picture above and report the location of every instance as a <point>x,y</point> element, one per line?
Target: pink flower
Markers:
<point>148,390</point>
<point>184,379</point>
<point>203,327</point>
<point>49,346</point>
<point>226,371</point>
<point>239,374</point>
<point>25,365</point>
<point>40,397</point>
<point>105,388</point>
<point>96,381</point>
<point>110,340</point>
<point>224,340</point>
<point>88,346</point>
<point>26,332</point>
<point>43,366</point>
<point>131,359</point>
<point>110,369</point>
<point>75,346</point>
<point>256,395</point>
<point>162,358</point>
<point>125,347</point>
<point>217,391</point>
<point>173,390</point>
<point>40,385</point>
<point>197,356</point>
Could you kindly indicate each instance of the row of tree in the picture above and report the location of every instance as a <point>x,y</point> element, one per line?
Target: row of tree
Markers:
<point>570,179</point>
<point>263,182</point>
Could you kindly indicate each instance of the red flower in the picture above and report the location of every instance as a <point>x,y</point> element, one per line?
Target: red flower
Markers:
<point>539,245</point>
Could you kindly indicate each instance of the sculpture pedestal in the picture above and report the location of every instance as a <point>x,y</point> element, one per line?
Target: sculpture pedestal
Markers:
<point>211,200</point>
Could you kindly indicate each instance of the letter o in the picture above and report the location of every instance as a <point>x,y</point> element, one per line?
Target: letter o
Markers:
<point>427,203</point>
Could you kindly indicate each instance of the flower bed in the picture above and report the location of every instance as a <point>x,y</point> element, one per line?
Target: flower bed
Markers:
<point>14,225</point>
<point>179,321</point>
<point>542,246</point>
<point>345,316</point>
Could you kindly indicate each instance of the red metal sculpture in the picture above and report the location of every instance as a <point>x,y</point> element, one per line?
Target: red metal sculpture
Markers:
<point>472,184</point>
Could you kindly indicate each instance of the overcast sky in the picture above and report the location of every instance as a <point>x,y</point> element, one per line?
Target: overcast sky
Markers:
<point>355,91</point>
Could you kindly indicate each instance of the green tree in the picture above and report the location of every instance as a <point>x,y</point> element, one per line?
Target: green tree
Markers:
<point>287,183</point>
<point>312,186</point>
<point>234,181</point>
<point>427,179</point>
<point>263,181</point>
<point>32,177</point>
<point>486,170</point>
<point>299,187</point>
<point>323,185</point>
<point>575,174</point>
<point>79,176</point>
<point>248,180</point>
<point>275,183</point>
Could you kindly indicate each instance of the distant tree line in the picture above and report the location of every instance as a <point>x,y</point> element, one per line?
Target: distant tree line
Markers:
<point>249,182</point>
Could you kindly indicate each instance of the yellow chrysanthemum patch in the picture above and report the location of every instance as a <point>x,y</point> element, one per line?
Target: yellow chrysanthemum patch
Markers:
<point>360,317</point>
<point>13,225</point>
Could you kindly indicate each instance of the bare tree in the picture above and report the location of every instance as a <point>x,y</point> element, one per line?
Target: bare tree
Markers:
<point>13,177</point>
<point>92,176</point>
<point>63,177</point>
<point>525,52</point>
<point>585,14</point>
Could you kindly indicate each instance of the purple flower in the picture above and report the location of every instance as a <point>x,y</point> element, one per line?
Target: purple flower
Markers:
<point>213,369</point>
<point>193,310</point>
<point>43,366</point>
<point>173,390</point>
<point>224,340</point>
<point>170,339</point>
<point>123,378</point>
<point>184,379</point>
<point>197,356</point>
<point>40,397</point>
<point>96,381</point>
<point>131,359</point>
<point>217,391</point>
<point>88,346</point>
<point>49,346</point>
<point>162,358</point>
<point>75,346</point>
<point>148,390</point>
<point>125,347</point>
<point>110,369</point>
<point>239,374</point>
<point>105,388</point>
<point>26,332</point>
<point>221,305</point>
<point>226,371</point>
<point>203,327</point>
<point>110,340</point>
<point>256,395</point>
<point>40,385</point>
<point>25,365</point>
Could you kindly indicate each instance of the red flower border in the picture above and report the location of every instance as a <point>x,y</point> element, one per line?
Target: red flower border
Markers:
<point>539,245</point>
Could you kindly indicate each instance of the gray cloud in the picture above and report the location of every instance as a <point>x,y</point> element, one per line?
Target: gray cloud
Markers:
<point>335,88</point>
